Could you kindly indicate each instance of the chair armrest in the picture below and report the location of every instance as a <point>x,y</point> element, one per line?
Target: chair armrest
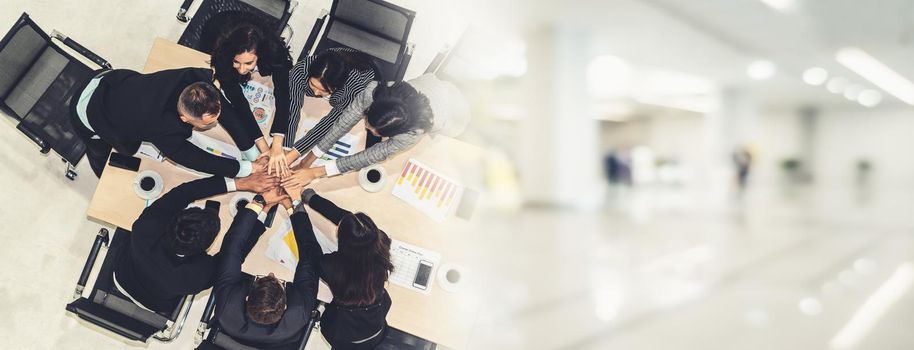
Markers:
<point>206,318</point>
<point>407,56</point>
<point>82,50</point>
<point>312,321</point>
<point>42,144</point>
<point>312,37</point>
<point>100,239</point>
<point>182,11</point>
<point>174,329</point>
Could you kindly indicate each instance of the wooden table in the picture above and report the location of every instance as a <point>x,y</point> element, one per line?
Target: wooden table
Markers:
<point>442,317</point>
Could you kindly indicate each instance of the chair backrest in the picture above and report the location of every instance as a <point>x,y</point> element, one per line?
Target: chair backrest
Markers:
<point>213,15</point>
<point>37,80</point>
<point>217,339</point>
<point>375,27</point>
<point>108,308</point>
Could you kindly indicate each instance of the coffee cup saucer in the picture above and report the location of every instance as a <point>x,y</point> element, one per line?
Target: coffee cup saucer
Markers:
<point>157,188</point>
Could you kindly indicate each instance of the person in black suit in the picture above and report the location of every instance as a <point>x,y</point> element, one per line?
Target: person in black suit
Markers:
<point>165,258</point>
<point>266,313</point>
<point>122,108</point>
<point>356,274</point>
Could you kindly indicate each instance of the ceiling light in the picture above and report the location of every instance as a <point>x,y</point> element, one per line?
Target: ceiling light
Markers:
<point>869,98</point>
<point>760,70</point>
<point>815,76</point>
<point>780,5</point>
<point>608,76</point>
<point>852,92</point>
<point>877,73</point>
<point>836,85</point>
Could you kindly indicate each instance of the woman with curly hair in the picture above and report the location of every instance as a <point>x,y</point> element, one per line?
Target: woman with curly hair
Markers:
<point>400,114</point>
<point>245,49</point>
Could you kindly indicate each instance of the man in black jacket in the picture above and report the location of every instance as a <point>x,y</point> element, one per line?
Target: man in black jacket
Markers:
<point>265,314</point>
<point>165,258</point>
<point>122,108</point>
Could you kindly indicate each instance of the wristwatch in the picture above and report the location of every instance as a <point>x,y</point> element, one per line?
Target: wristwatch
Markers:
<point>259,200</point>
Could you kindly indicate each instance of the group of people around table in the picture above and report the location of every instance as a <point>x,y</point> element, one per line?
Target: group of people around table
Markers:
<point>166,257</point>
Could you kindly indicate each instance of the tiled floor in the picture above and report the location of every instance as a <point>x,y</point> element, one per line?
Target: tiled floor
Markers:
<point>653,269</point>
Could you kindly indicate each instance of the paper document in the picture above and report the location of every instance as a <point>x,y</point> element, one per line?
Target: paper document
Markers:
<point>149,151</point>
<point>260,98</point>
<point>427,190</point>
<point>408,260</point>
<point>345,146</point>
<point>283,248</point>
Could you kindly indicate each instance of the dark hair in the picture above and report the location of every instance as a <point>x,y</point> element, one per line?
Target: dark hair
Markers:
<point>266,301</point>
<point>364,252</point>
<point>192,231</point>
<point>198,99</point>
<point>332,67</point>
<point>248,37</point>
<point>399,109</point>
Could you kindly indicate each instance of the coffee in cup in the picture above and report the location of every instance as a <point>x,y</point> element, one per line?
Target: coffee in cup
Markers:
<point>147,183</point>
<point>453,276</point>
<point>374,175</point>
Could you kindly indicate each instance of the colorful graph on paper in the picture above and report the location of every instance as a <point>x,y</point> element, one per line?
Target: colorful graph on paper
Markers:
<point>427,190</point>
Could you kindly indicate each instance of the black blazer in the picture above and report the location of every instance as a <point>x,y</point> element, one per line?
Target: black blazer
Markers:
<point>342,324</point>
<point>150,274</point>
<point>128,108</point>
<point>230,289</point>
<point>279,73</point>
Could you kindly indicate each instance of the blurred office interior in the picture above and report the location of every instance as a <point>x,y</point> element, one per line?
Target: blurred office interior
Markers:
<point>717,174</point>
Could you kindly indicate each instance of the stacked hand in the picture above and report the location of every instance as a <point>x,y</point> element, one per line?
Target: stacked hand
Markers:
<point>277,162</point>
<point>298,179</point>
<point>274,196</point>
<point>260,165</point>
<point>257,182</point>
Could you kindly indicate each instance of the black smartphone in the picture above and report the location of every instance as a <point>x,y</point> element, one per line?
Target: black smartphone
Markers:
<point>268,221</point>
<point>124,161</point>
<point>213,205</point>
<point>422,275</point>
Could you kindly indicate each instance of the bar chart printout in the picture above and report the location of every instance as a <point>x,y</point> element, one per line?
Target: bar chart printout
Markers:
<point>427,190</point>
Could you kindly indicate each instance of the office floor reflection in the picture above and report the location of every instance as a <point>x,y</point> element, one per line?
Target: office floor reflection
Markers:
<point>801,268</point>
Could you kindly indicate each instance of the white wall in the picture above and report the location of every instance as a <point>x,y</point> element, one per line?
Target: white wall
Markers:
<point>883,136</point>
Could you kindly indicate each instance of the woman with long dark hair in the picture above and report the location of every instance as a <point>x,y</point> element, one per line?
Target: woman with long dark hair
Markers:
<point>240,51</point>
<point>356,274</point>
<point>336,74</point>
<point>400,114</point>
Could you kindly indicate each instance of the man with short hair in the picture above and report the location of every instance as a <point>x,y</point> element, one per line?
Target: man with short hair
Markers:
<point>265,313</point>
<point>165,256</point>
<point>122,108</point>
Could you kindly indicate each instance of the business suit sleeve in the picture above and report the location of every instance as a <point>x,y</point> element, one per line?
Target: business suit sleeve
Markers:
<point>179,197</point>
<point>235,248</point>
<point>189,155</point>
<point>327,209</point>
<point>309,252</point>
<point>283,105</point>
<point>242,113</point>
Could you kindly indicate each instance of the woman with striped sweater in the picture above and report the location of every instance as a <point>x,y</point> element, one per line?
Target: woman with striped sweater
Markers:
<point>401,114</point>
<point>338,75</point>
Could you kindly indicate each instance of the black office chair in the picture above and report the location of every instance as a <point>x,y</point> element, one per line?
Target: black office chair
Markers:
<point>375,27</point>
<point>110,309</point>
<point>396,339</point>
<point>37,81</point>
<point>211,337</point>
<point>213,15</point>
